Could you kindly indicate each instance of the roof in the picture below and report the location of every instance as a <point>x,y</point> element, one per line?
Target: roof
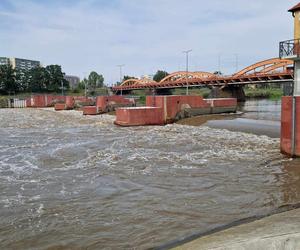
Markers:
<point>295,8</point>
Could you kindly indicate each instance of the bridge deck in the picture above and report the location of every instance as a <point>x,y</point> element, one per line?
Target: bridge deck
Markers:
<point>259,78</point>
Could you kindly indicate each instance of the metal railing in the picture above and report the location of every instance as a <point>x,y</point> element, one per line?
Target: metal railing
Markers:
<point>290,48</point>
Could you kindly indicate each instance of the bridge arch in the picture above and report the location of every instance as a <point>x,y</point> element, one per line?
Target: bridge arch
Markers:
<point>134,81</point>
<point>265,66</point>
<point>179,75</point>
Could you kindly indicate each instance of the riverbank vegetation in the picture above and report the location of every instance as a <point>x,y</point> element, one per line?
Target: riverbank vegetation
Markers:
<point>268,93</point>
<point>36,80</point>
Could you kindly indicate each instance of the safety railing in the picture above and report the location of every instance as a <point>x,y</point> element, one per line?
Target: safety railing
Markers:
<point>289,49</point>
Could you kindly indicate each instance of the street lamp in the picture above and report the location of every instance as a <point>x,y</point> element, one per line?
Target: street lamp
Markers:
<point>187,69</point>
<point>121,66</point>
<point>236,62</point>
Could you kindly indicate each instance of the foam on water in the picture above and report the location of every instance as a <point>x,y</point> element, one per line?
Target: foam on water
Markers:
<point>66,177</point>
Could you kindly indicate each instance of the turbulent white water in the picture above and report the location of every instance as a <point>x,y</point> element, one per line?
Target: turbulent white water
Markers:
<point>73,181</point>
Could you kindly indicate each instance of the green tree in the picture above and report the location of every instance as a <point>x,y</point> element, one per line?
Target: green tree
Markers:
<point>128,77</point>
<point>37,79</point>
<point>8,83</point>
<point>82,84</point>
<point>95,80</point>
<point>55,78</point>
<point>218,73</point>
<point>159,75</point>
<point>21,79</point>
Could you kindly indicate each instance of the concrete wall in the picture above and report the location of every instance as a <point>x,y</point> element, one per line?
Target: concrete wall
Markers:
<point>287,144</point>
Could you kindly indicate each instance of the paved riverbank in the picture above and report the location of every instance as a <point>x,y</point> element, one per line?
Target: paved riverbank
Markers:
<point>278,231</point>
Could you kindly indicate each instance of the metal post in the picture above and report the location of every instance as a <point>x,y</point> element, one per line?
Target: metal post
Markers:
<point>121,75</point>
<point>219,63</point>
<point>62,88</point>
<point>293,146</point>
<point>236,62</point>
<point>187,69</point>
<point>85,92</point>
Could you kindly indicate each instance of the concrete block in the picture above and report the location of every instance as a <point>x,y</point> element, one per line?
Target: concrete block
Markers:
<point>139,116</point>
<point>109,103</point>
<point>60,106</point>
<point>90,110</point>
<point>286,141</point>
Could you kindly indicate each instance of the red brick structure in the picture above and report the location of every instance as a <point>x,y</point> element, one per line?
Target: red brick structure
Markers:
<point>139,116</point>
<point>290,130</point>
<point>106,104</point>
<point>167,109</point>
<point>42,101</point>
<point>90,110</point>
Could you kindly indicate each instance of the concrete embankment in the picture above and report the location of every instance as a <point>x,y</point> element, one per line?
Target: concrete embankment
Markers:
<point>278,231</point>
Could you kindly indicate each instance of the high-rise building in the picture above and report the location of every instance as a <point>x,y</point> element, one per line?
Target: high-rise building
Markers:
<point>73,80</point>
<point>23,64</point>
<point>19,64</point>
<point>4,61</point>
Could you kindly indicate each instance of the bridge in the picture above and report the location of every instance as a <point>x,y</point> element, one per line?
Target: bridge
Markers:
<point>273,70</point>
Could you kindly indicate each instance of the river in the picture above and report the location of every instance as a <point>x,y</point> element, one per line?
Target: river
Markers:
<point>74,182</point>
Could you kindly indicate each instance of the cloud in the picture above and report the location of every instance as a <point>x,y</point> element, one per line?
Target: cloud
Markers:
<point>145,35</point>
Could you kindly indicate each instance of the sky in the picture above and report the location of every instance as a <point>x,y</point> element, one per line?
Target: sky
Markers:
<point>144,35</point>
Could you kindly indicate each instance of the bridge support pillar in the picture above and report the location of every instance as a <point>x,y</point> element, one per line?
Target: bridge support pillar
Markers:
<point>229,92</point>
<point>290,109</point>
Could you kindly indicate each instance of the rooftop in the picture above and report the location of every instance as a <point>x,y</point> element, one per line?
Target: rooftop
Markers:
<point>295,8</point>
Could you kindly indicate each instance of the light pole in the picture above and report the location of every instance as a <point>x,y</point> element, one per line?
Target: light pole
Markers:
<point>219,63</point>
<point>62,88</point>
<point>187,69</point>
<point>85,83</point>
<point>121,66</point>
<point>236,62</point>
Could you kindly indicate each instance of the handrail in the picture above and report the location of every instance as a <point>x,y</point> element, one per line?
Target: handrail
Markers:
<point>289,48</point>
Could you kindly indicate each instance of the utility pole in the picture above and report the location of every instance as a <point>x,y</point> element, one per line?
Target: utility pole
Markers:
<point>121,75</point>
<point>85,83</point>
<point>219,63</point>
<point>236,62</point>
<point>186,52</point>
<point>62,88</point>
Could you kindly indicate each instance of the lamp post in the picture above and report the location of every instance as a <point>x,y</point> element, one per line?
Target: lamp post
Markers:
<point>85,83</point>
<point>186,52</point>
<point>62,88</point>
<point>120,67</point>
<point>236,62</point>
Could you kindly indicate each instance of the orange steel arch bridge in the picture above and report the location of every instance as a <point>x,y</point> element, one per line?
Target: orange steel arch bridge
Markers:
<point>267,71</point>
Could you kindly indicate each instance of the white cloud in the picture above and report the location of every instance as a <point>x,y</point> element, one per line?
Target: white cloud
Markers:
<point>146,35</point>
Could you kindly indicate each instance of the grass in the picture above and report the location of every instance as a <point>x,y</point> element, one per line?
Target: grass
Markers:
<point>192,91</point>
<point>270,93</point>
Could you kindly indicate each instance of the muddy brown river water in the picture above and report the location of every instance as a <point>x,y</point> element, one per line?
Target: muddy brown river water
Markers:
<point>74,182</point>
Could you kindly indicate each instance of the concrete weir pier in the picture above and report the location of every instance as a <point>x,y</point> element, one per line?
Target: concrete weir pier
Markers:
<point>290,119</point>
<point>106,104</point>
<point>160,110</point>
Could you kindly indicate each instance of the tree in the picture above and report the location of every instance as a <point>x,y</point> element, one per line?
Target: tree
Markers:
<point>82,84</point>
<point>37,79</point>
<point>125,78</point>
<point>128,77</point>
<point>95,80</point>
<point>8,83</point>
<point>159,75</point>
<point>218,73</point>
<point>56,78</point>
<point>21,79</point>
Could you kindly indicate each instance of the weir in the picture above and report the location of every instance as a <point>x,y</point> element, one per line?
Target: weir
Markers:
<point>290,119</point>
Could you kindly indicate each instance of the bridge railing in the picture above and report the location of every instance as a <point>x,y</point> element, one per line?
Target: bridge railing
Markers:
<point>289,48</point>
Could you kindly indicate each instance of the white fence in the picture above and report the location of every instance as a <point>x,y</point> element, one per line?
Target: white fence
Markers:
<point>16,103</point>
